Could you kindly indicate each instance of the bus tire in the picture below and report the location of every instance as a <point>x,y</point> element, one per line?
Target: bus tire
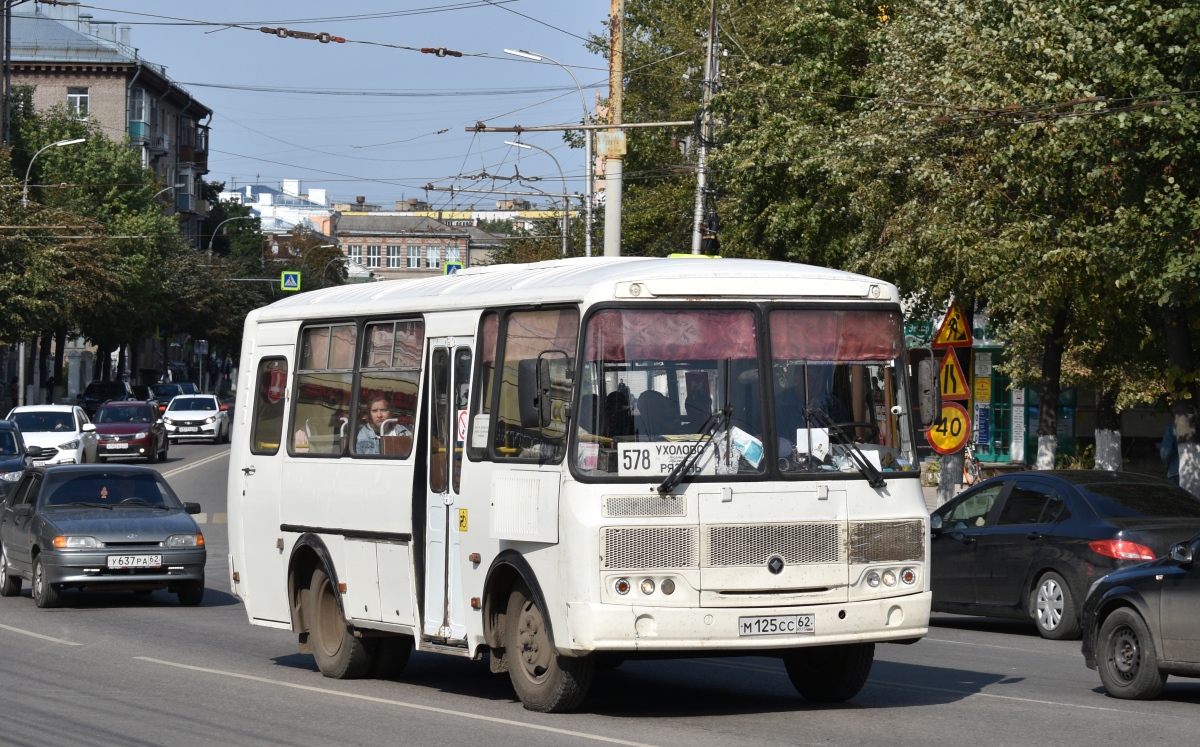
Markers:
<point>391,656</point>
<point>338,653</point>
<point>830,674</point>
<point>545,682</point>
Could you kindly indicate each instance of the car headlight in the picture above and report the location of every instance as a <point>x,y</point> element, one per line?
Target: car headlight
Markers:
<point>69,445</point>
<point>185,540</point>
<point>168,421</point>
<point>207,421</point>
<point>71,542</point>
<point>12,476</point>
<point>141,435</point>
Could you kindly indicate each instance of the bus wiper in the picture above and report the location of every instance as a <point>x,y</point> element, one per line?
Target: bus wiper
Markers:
<point>874,477</point>
<point>708,430</point>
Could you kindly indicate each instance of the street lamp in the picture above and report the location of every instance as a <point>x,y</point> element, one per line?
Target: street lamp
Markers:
<point>59,144</point>
<point>588,165</point>
<point>218,228</point>
<point>167,189</point>
<point>566,205</point>
<point>348,261</point>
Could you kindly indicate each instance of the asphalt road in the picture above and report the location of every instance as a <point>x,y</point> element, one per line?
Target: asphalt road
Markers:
<point>120,669</point>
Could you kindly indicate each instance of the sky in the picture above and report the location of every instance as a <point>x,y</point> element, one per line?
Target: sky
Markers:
<point>383,147</point>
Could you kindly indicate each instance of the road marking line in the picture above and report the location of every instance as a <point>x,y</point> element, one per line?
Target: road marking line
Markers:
<point>905,686</point>
<point>400,703</point>
<point>220,518</point>
<point>1075,655</point>
<point>197,463</point>
<point>39,635</point>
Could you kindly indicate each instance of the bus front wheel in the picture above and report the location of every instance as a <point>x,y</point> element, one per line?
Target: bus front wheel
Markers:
<point>544,681</point>
<point>830,674</point>
<point>339,654</point>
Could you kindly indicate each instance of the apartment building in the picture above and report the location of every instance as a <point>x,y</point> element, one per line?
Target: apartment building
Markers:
<point>283,210</point>
<point>90,67</point>
<point>397,246</point>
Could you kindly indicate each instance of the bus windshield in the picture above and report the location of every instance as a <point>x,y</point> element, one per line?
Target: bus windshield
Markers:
<point>658,384</point>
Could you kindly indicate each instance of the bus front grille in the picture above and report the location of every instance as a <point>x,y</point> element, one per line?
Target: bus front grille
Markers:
<point>645,505</point>
<point>628,548</point>
<point>887,541</point>
<point>755,544</point>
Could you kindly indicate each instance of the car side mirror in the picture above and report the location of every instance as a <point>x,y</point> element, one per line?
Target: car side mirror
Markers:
<point>33,451</point>
<point>935,523</point>
<point>158,422</point>
<point>191,508</point>
<point>929,394</point>
<point>1181,553</point>
<point>89,428</point>
<point>23,509</point>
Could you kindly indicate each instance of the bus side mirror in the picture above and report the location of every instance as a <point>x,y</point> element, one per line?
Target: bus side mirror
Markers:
<point>928,393</point>
<point>543,392</point>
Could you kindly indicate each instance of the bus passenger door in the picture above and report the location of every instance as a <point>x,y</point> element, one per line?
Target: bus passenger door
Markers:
<point>449,372</point>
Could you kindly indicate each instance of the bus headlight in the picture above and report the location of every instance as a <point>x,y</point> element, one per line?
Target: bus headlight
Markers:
<point>648,586</point>
<point>873,579</point>
<point>889,578</point>
<point>621,586</point>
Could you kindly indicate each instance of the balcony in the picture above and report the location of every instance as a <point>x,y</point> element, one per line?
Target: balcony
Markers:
<point>159,142</point>
<point>185,203</point>
<point>139,132</point>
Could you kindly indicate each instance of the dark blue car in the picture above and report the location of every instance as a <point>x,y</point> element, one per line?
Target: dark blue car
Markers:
<point>1029,544</point>
<point>14,457</point>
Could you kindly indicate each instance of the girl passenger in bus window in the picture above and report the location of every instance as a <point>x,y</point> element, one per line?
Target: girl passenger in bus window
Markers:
<point>379,422</point>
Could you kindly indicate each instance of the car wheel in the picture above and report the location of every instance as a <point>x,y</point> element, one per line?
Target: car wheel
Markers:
<point>338,653</point>
<point>10,585</point>
<point>544,681</point>
<point>190,593</point>
<point>44,593</point>
<point>152,457</point>
<point>830,674</point>
<point>166,449</point>
<point>1053,608</point>
<point>1126,657</point>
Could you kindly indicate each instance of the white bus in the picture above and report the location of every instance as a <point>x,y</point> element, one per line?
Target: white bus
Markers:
<point>570,463</point>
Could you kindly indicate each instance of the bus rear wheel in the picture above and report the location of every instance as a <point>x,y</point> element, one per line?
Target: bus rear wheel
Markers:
<point>544,681</point>
<point>338,653</point>
<point>830,674</point>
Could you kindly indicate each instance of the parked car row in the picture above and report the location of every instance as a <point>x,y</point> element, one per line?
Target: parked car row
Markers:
<point>1109,557</point>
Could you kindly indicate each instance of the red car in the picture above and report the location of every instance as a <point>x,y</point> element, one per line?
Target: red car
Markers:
<point>131,429</point>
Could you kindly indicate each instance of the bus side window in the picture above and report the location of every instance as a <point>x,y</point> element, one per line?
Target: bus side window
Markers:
<point>321,410</point>
<point>550,336</point>
<point>481,406</point>
<point>267,427</point>
<point>387,389</point>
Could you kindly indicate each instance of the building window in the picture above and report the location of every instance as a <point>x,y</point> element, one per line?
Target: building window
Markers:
<point>77,101</point>
<point>373,256</point>
<point>395,253</point>
<point>355,254</point>
<point>433,257</point>
<point>452,254</point>
<point>137,104</point>
<point>414,258</point>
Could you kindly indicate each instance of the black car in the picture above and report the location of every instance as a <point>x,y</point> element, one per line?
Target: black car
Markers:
<point>164,393</point>
<point>14,456</point>
<point>1029,544</point>
<point>1140,623</point>
<point>99,527</point>
<point>99,392</point>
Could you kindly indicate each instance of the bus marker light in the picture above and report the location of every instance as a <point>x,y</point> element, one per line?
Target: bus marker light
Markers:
<point>342,588</point>
<point>648,586</point>
<point>889,578</point>
<point>475,558</point>
<point>475,603</point>
<point>667,586</point>
<point>622,586</point>
<point>908,576</point>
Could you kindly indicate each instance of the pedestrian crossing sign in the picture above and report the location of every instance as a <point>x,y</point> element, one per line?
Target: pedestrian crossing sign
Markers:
<point>451,268</point>
<point>289,280</point>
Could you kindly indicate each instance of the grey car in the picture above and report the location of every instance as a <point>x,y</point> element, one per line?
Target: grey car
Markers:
<point>99,527</point>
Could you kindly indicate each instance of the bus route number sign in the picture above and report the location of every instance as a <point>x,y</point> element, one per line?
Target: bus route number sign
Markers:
<point>949,434</point>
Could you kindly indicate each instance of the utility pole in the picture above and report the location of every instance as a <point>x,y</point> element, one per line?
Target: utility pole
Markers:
<point>701,231</point>
<point>612,144</point>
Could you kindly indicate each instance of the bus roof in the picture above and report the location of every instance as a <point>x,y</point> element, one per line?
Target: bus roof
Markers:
<point>589,280</point>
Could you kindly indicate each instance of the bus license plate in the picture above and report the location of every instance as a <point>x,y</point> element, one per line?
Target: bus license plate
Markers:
<point>134,561</point>
<point>778,625</point>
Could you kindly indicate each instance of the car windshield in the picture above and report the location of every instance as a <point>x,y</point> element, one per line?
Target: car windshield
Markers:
<point>192,403</point>
<point>104,488</point>
<point>1116,500</point>
<point>44,422</point>
<point>8,444</point>
<point>128,414</point>
<point>105,390</point>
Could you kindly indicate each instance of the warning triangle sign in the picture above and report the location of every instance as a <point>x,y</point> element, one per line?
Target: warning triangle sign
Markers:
<point>950,378</point>
<point>954,331</point>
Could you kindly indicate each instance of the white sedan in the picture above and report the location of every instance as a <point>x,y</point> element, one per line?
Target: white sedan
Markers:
<point>197,416</point>
<point>62,432</point>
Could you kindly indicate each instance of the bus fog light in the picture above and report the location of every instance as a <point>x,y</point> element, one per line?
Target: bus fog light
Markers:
<point>621,586</point>
<point>667,586</point>
<point>648,586</point>
<point>873,579</point>
<point>908,576</point>
<point>889,578</point>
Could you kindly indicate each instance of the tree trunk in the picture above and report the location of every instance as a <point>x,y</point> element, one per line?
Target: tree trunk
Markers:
<point>105,360</point>
<point>44,362</point>
<point>1048,390</point>
<point>1180,361</point>
<point>134,362</point>
<point>60,351</point>
<point>1108,431</point>
<point>121,361</point>
<point>31,354</point>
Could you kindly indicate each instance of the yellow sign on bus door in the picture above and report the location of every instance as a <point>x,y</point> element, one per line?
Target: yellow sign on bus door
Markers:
<point>462,519</point>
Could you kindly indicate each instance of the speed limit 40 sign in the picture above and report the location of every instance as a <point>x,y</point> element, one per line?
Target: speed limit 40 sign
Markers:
<point>950,433</point>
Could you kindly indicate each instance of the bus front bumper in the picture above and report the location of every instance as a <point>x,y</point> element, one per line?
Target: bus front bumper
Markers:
<point>613,627</point>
